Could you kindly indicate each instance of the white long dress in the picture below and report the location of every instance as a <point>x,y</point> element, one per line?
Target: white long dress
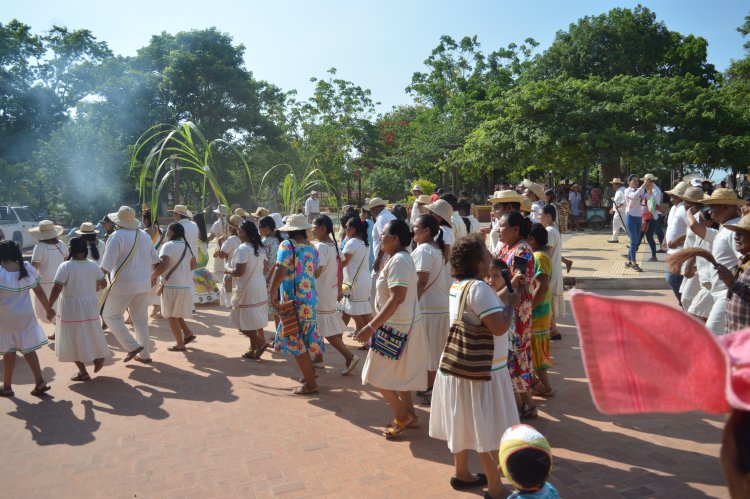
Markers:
<point>409,372</point>
<point>19,328</point>
<point>556,277</point>
<point>357,275</point>
<point>49,257</point>
<point>100,246</point>
<point>434,302</point>
<point>326,285</point>
<point>689,287</point>
<point>249,292</point>
<point>80,337</point>
<point>467,414</point>
<point>229,247</point>
<point>177,297</point>
<point>703,301</point>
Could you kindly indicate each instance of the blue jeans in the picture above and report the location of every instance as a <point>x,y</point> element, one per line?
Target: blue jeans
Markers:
<point>674,281</point>
<point>634,233</point>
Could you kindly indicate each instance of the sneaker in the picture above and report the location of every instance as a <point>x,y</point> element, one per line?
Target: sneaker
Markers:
<point>636,268</point>
<point>612,241</point>
<point>350,366</point>
<point>628,263</point>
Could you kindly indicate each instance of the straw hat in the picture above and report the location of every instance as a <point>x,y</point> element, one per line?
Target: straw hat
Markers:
<point>724,196</point>
<point>537,189</point>
<point>222,210</point>
<point>442,208</point>
<point>125,218</point>
<point>679,189</point>
<point>424,199</point>
<point>86,228</point>
<point>235,221</point>
<point>650,177</point>
<point>181,209</point>
<point>417,187</point>
<point>241,212</point>
<point>526,205</point>
<point>46,230</point>
<point>742,226</point>
<point>694,194</point>
<point>616,181</point>
<point>295,222</point>
<point>260,212</point>
<point>575,187</point>
<point>313,193</point>
<point>375,202</point>
<point>507,196</point>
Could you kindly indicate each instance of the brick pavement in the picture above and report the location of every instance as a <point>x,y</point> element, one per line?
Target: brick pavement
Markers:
<point>207,423</point>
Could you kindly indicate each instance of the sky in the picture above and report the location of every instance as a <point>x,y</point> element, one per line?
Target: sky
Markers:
<point>375,44</point>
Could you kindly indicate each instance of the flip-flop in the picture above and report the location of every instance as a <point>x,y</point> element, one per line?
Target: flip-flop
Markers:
<point>131,355</point>
<point>190,339</point>
<point>305,390</point>
<point>80,377</point>
<point>250,354</point>
<point>98,364</point>
<point>175,348</point>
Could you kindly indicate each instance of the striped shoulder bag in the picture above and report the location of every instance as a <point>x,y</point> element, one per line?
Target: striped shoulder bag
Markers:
<point>469,350</point>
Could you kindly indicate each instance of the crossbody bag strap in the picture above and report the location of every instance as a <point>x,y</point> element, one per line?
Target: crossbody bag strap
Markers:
<point>171,271</point>
<point>462,303</point>
<point>356,275</point>
<point>440,272</point>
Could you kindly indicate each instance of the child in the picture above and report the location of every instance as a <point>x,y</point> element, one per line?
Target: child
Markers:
<point>271,240</point>
<point>48,254</point>
<point>541,312</point>
<point>526,460</point>
<point>80,337</point>
<point>19,329</point>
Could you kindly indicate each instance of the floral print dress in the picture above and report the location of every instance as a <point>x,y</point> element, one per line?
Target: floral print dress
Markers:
<point>299,262</point>
<point>519,360</point>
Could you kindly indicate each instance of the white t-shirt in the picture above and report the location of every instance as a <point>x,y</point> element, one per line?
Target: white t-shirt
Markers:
<point>633,199</point>
<point>16,312</point>
<point>676,226</point>
<point>219,228</point>
<point>326,284</point>
<point>725,253</point>
<point>427,258</point>
<point>230,245</point>
<point>79,278</point>
<point>49,257</point>
<point>536,211</point>
<point>619,201</point>
<point>475,224</point>
<point>191,234</point>
<point>415,213</point>
<point>458,225</point>
<point>399,271</point>
<point>360,257</point>
<point>182,277</point>
<point>448,237</point>
<point>136,276</point>
<point>481,301</point>
<point>253,275</point>
<point>312,206</point>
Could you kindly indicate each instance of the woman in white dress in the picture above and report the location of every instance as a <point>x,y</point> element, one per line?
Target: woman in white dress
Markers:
<point>441,211</point>
<point>80,338</point>
<point>218,232</point>
<point>249,292</point>
<point>328,285</point>
<point>228,247</point>
<point>271,240</point>
<point>433,283</point>
<point>554,249</point>
<point>19,329</point>
<point>471,414</point>
<point>357,281</point>
<point>158,237</point>
<point>396,372</point>
<point>48,254</point>
<point>175,267</point>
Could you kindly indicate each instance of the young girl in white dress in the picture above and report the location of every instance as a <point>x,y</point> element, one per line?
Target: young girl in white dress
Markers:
<point>19,329</point>
<point>328,287</point>
<point>88,233</point>
<point>226,251</point>
<point>357,282</point>
<point>48,254</point>
<point>271,240</point>
<point>80,338</point>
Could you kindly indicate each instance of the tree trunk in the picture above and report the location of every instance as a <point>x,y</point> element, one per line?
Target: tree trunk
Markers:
<point>610,166</point>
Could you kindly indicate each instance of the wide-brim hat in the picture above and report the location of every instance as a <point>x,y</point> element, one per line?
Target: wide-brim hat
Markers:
<point>260,212</point>
<point>575,186</point>
<point>694,194</point>
<point>535,188</point>
<point>679,189</point>
<point>235,221</point>
<point>46,230</point>
<point>374,202</point>
<point>417,187</point>
<point>125,218</point>
<point>86,228</point>
<point>241,212</point>
<point>222,210</point>
<point>617,180</point>
<point>506,196</point>
<point>181,209</point>
<point>649,176</point>
<point>295,222</point>
<point>742,226</point>
<point>724,196</point>
<point>526,205</point>
<point>424,199</point>
<point>442,208</point>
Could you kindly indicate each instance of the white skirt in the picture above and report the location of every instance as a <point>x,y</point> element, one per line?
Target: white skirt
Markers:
<point>357,307</point>
<point>177,303</point>
<point>23,341</point>
<point>689,289</point>
<point>329,323</point>
<point>472,415</point>
<point>249,317</point>
<point>80,336</point>
<point>437,326</point>
<point>407,373</point>
<point>702,303</point>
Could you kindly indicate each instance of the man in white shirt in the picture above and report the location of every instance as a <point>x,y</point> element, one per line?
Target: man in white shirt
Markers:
<point>129,259</point>
<point>184,217</point>
<point>381,215</point>
<point>464,209</point>
<point>535,193</point>
<point>676,233</point>
<point>416,191</point>
<point>457,223</point>
<point>725,209</point>
<point>618,205</point>
<point>312,207</point>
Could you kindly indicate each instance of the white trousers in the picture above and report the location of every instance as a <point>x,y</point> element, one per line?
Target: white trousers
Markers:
<point>114,315</point>
<point>716,319</point>
<point>616,226</point>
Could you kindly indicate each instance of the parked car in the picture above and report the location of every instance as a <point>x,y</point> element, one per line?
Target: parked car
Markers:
<point>15,222</point>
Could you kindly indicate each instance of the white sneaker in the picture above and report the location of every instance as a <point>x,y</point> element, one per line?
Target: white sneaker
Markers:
<point>349,368</point>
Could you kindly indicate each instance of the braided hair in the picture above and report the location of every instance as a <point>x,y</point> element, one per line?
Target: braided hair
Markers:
<point>326,222</point>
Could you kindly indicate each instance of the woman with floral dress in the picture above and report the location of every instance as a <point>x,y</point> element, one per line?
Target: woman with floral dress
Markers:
<point>296,262</point>
<point>517,254</point>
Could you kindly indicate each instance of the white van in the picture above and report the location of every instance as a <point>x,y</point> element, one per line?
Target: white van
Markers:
<point>15,223</point>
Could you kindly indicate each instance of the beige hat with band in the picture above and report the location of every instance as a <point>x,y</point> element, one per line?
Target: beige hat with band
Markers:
<point>535,188</point>
<point>617,180</point>
<point>46,230</point>
<point>295,222</point>
<point>260,212</point>
<point>442,208</point>
<point>125,218</point>
<point>506,196</point>
<point>679,189</point>
<point>424,199</point>
<point>726,197</point>
<point>375,202</point>
<point>181,209</point>
<point>417,187</point>
<point>742,226</point>
<point>86,228</point>
<point>694,195</point>
<point>235,221</point>
<point>241,213</point>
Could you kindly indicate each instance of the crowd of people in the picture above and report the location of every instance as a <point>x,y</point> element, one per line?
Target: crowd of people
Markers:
<point>423,287</point>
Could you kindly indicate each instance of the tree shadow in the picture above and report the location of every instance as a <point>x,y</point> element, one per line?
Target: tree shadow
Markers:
<point>52,422</point>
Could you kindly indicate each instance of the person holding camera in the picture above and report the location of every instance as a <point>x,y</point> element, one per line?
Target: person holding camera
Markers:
<point>634,196</point>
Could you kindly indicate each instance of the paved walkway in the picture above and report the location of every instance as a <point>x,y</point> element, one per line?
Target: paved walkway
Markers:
<point>209,424</point>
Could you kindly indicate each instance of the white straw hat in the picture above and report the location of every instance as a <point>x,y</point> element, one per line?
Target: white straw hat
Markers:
<point>375,202</point>
<point>417,187</point>
<point>222,210</point>
<point>724,196</point>
<point>442,208</point>
<point>182,210</point>
<point>424,199</point>
<point>86,228</point>
<point>679,189</point>
<point>535,188</point>
<point>46,230</point>
<point>295,222</point>
<point>125,218</point>
<point>506,196</point>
